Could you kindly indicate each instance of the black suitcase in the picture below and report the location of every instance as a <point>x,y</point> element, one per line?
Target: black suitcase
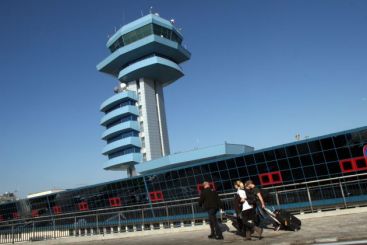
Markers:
<point>288,221</point>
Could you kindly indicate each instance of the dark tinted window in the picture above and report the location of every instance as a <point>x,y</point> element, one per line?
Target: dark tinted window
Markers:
<point>249,159</point>
<point>321,170</point>
<point>272,166</point>
<point>240,161</point>
<point>298,174</point>
<point>242,171</point>
<point>334,168</point>
<point>303,148</point>
<point>233,174</point>
<point>280,153</point>
<point>213,167</point>
<point>294,162</point>
<point>340,141</point>
<point>356,151</point>
<point>330,155</point>
<point>291,151</point>
<point>231,163</point>
<point>314,146</point>
<point>363,135</point>
<point>306,160</point>
<point>222,165</point>
<point>262,168</point>
<point>269,155</point>
<point>283,164</point>
<point>252,170</point>
<point>259,157</point>
<point>318,158</point>
<point>287,176</point>
<point>309,172</point>
<point>343,153</point>
<point>327,144</point>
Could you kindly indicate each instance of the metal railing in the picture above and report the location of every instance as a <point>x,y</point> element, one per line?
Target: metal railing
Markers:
<point>343,192</point>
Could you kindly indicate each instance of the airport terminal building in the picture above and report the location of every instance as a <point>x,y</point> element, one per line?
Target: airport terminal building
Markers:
<point>325,171</point>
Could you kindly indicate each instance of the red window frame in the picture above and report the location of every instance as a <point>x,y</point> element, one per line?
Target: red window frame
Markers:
<point>83,206</point>
<point>156,196</point>
<point>1,218</point>
<point>115,201</point>
<point>354,165</point>
<point>200,187</point>
<point>15,215</point>
<point>56,209</point>
<point>35,213</point>
<point>268,178</point>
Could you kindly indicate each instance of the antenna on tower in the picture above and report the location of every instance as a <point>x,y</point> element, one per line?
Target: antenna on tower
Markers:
<point>150,9</point>
<point>141,12</point>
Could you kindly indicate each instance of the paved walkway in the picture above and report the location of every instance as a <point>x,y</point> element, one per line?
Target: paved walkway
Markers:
<point>325,227</point>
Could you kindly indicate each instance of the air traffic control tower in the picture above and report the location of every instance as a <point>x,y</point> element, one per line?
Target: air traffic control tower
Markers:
<point>145,57</point>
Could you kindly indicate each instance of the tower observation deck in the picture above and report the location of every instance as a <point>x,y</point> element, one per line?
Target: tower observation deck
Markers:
<point>145,57</point>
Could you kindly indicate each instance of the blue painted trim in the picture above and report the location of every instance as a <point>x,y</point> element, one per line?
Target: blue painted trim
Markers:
<point>121,144</point>
<point>131,125</point>
<point>118,98</point>
<point>145,46</point>
<point>156,68</point>
<point>121,163</point>
<point>129,109</point>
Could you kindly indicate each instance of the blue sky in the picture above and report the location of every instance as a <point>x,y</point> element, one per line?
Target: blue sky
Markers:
<point>261,71</point>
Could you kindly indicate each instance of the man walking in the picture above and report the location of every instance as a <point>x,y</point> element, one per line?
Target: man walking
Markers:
<point>211,202</point>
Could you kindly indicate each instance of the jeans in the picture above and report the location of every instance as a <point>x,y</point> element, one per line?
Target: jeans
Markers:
<point>213,222</point>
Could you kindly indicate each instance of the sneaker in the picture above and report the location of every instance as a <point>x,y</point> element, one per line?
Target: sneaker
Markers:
<point>277,228</point>
<point>211,236</point>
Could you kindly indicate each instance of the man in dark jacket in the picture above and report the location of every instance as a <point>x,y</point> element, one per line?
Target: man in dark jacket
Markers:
<point>211,202</point>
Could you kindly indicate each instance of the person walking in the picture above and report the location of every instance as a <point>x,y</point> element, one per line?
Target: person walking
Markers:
<point>249,213</point>
<point>210,201</point>
<point>237,203</point>
<point>260,205</point>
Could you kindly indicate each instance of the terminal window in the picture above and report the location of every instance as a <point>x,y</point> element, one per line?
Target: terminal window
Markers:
<point>156,196</point>
<point>271,178</point>
<point>35,213</point>
<point>115,201</point>
<point>83,206</point>
<point>56,209</point>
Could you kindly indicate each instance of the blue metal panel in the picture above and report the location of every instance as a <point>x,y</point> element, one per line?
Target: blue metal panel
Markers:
<point>123,162</point>
<point>150,18</point>
<point>148,45</point>
<point>120,128</point>
<point>129,109</point>
<point>189,157</point>
<point>155,68</point>
<point>121,144</point>
<point>118,98</point>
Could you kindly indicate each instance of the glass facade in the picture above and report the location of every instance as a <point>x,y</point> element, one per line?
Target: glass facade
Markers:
<point>142,32</point>
<point>315,159</point>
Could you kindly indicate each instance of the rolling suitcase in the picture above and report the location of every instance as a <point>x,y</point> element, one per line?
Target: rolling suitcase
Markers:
<point>288,221</point>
